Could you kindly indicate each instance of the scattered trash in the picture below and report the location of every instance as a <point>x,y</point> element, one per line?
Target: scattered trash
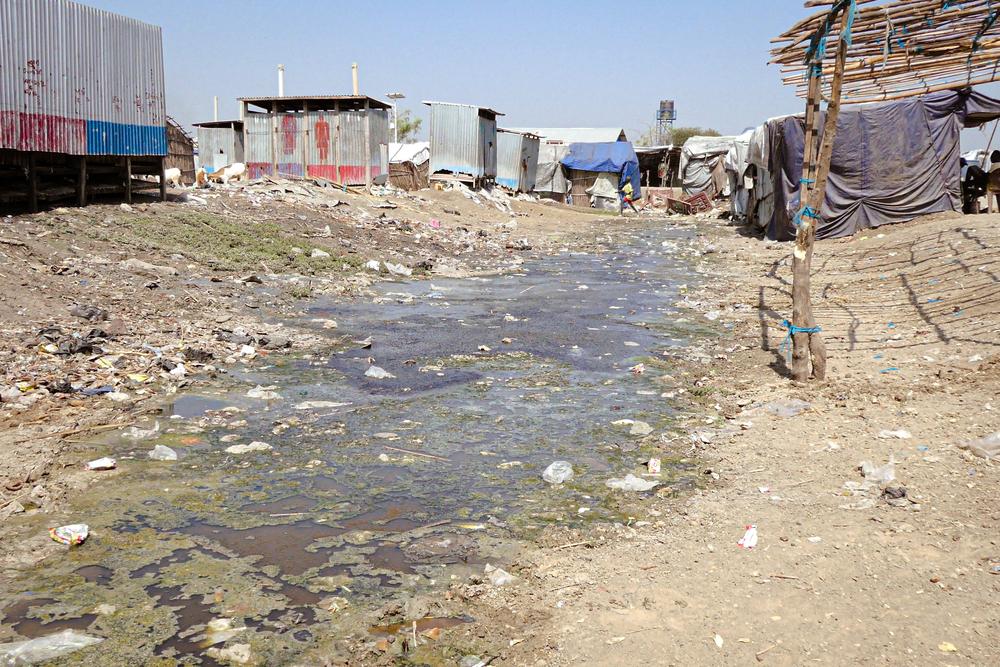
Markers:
<point>318,405</point>
<point>498,577</point>
<point>319,254</point>
<point>373,265</point>
<point>749,539</point>
<point>106,463</point>
<point>901,434</point>
<point>631,483</point>
<point>71,535</point>
<point>947,647</point>
<point>718,641</point>
<point>786,408</point>
<point>398,269</point>
<point>987,448</point>
<point>558,472</point>
<point>89,313</point>
<point>638,428</point>
<point>638,369</point>
<point>815,539</point>
<point>44,649</point>
<point>264,393</point>
<point>256,446</point>
<point>879,475</point>
<point>378,373</point>
<point>97,391</point>
<point>147,269</point>
<point>653,466</point>
<point>162,453</point>
<point>135,433</point>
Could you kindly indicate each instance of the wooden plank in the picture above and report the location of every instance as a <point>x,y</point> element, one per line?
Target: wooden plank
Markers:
<point>128,180</point>
<point>163,179</point>
<point>81,182</point>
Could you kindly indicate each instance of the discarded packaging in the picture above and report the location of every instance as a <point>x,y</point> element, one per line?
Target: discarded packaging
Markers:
<point>749,539</point>
<point>631,483</point>
<point>162,453</point>
<point>654,466</point>
<point>880,474</point>
<point>71,535</point>
<point>378,373</point>
<point>987,448</point>
<point>264,393</point>
<point>901,434</point>
<point>558,472</point>
<point>318,405</point>
<point>135,433</point>
<point>498,577</point>
<point>44,649</point>
<point>107,463</point>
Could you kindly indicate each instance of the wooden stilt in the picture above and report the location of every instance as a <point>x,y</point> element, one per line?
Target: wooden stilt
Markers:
<point>128,180</point>
<point>163,179</point>
<point>81,182</point>
<point>32,183</point>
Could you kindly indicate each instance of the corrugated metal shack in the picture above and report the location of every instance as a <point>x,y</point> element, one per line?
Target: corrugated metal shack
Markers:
<point>463,142</point>
<point>342,138</point>
<point>220,142</point>
<point>180,151</point>
<point>81,102</point>
<point>517,159</point>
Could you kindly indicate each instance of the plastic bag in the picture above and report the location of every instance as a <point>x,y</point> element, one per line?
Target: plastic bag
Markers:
<point>41,649</point>
<point>987,448</point>
<point>71,535</point>
<point>880,475</point>
<point>558,472</point>
<point>631,483</point>
<point>162,453</point>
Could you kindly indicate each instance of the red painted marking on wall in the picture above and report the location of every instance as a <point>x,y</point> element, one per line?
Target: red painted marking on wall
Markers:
<point>322,131</point>
<point>43,132</point>
<point>348,175</point>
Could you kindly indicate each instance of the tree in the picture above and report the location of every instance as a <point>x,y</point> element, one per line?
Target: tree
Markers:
<point>408,127</point>
<point>679,135</point>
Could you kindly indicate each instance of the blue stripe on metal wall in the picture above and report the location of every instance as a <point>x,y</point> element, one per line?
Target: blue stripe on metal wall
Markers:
<point>104,138</point>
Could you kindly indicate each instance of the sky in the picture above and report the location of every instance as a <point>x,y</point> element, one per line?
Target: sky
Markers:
<point>552,63</point>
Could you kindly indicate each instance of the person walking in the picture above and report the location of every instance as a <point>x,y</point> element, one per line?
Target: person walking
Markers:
<point>626,194</point>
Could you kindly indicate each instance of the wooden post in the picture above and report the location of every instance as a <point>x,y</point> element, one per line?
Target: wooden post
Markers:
<point>274,139</point>
<point>305,139</point>
<point>815,170</point>
<point>32,183</point>
<point>128,180</point>
<point>368,147</point>
<point>81,192</point>
<point>163,179</point>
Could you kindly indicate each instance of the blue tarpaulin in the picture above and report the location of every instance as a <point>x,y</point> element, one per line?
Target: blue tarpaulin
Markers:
<point>616,156</point>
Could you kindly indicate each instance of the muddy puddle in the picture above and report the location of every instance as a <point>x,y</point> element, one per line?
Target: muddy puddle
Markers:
<point>358,490</point>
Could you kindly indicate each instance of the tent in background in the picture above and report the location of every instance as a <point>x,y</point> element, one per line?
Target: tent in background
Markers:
<point>892,162</point>
<point>702,168</point>
<point>597,171</point>
<point>550,179</point>
<point>408,165</point>
<point>735,163</point>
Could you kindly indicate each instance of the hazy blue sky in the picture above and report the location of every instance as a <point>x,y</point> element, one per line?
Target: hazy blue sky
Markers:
<point>544,63</point>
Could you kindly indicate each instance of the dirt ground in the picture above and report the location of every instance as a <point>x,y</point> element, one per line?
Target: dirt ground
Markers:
<point>841,574</point>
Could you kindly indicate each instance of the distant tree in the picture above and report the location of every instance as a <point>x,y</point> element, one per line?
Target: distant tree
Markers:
<point>408,127</point>
<point>679,135</point>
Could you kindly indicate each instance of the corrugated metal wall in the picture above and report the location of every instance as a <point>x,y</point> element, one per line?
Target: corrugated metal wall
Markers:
<point>330,143</point>
<point>219,146</point>
<point>457,140</point>
<point>78,80</point>
<point>517,161</point>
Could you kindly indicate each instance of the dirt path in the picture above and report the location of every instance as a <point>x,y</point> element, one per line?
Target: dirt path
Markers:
<point>911,320</point>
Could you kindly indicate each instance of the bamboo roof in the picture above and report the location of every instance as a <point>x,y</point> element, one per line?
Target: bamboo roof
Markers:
<point>897,48</point>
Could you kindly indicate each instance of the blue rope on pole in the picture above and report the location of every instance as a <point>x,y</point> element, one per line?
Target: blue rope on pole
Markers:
<point>805,212</point>
<point>786,344</point>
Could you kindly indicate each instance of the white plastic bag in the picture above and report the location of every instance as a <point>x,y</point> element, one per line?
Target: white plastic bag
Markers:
<point>42,649</point>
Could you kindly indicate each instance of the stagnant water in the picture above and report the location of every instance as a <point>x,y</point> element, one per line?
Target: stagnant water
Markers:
<point>375,488</point>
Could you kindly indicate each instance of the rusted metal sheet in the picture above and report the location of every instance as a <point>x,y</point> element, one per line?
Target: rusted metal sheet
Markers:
<point>257,144</point>
<point>463,140</point>
<point>78,80</point>
<point>517,160</point>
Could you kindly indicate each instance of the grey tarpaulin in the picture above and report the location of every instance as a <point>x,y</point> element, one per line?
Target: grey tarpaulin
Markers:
<point>701,165</point>
<point>736,162</point>
<point>550,178</point>
<point>892,162</point>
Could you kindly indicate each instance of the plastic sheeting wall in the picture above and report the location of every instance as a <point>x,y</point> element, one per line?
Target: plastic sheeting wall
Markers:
<point>78,80</point>
<point>323,144</point>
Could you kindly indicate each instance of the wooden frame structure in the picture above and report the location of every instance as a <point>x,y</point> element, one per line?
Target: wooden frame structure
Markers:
<point>883,50</point>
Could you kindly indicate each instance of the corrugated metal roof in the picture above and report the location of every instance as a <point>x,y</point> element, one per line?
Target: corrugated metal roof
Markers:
<point>316,102</point>
<point>575,135</point>
<point>459,104</point>
<point>522,133</point>
<point>235,124</point>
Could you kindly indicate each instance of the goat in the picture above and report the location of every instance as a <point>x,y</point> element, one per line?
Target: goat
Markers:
<point>225,174</point>
<point>173,176</point>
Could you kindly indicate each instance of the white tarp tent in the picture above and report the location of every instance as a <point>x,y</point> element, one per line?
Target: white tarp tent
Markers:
<point>417,152</point>
<point>701,165</point>
<point>735,163</point>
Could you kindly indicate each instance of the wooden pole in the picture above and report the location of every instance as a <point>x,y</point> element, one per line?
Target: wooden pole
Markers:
<point>808,345</point>
<point>128,180</point>
<point>32,183</point>
<point>163,179</point>
<point>81,193</point>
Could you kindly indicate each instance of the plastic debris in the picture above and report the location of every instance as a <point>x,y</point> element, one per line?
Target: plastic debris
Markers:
<point>44,649</point>
<point>106,463</point>
<point>947,647</point>
<point>318,405</point>
<point>558,472</point>
<point>71,535</point>
<point>256,446</point>
<point>398,269</point>
<point>901,434</point>
<point>749,539</point>
<point>162,453</point>
<point>498,577</point>
<point>135,433</point>
<point>654,466</point>
<point>373,265</point>
<point>378,373</point>
<point>880,474</point>
<point>786,408</point>
<point>264,393</point>
<point>987,448</point>
<point>718,640</point>
<point>631,483</point>
<point>638,369</point>
<point>638,428</point>
<point>319,254</point>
